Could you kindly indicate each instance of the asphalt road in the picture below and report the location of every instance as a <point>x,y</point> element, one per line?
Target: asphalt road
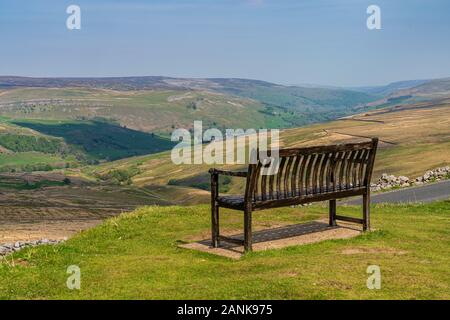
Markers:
<point>425,193</point>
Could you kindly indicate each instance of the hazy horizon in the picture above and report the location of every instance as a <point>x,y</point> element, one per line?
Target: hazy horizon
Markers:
<point>313,85</point>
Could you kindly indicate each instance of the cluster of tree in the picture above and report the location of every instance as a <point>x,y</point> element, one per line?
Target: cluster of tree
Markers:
<point>120,176</point>
<point>191,105</point>
<point>24,143</point>
<point>30,167</point>
<point>30,143</point>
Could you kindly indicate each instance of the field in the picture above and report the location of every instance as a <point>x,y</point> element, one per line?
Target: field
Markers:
<point>135,256</point>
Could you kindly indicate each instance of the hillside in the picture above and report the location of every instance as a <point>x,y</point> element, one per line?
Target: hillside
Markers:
<point>409,92</point>
<point>429,88</point>
<point>412,141</point>
<point>391,87</point>
<point>67,122</point>
<point>158,104</point>
<point>36,145</point>
<point>149,111</point>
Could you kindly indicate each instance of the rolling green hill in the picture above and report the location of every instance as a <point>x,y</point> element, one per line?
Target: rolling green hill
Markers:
<point>36,145</point>
<point>151,111</point>
<point>158,104</point>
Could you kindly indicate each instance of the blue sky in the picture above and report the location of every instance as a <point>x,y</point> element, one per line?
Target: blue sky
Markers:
<point>284,41</point>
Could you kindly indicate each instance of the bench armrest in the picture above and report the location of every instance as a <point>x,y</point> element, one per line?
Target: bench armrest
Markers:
<point>228,172</point>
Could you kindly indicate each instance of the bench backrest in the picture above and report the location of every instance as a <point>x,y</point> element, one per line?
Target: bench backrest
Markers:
<point>314,170</point>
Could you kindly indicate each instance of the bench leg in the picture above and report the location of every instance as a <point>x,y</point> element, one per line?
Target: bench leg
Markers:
<point>366,212</point>
<point>332,213</point>
<point>214,225</point>
<point>248,230</point>
<point>214,212</point>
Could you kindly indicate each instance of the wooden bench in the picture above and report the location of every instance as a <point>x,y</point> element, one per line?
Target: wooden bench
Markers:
<point>305,175</point>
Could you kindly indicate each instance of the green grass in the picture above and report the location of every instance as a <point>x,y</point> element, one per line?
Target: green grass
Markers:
<point>26,157</point>
<point>30,161</point>
<point>136,256</point>
<point>28,142</point>
<point>99,139</point>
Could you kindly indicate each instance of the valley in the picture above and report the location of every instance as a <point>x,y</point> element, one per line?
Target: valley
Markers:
<point>76,151</point>
<point>412,141</point>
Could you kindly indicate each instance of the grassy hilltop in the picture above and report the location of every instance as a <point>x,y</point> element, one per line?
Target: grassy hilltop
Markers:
<point>135,256</point>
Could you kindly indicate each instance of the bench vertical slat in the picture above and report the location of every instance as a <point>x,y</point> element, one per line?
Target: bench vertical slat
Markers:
<point>331,185</point>
<point>256,182</point>
<point>316,172</point>
<point>334,172</point>
<point>301,178</point>
<point>338,169</point>
<point>308,173</point>
<point>362,166</point>
<point>286,178</point>
<point>271,179</point>
<point>323,173</point>
<point>279,176</point>
<point>348,173</point>
<point>356,168</point>
<point>328,172</point>
<point>342,170</point>
<point>370,162</point>
<point>294,178</point>
<point>264,187</point>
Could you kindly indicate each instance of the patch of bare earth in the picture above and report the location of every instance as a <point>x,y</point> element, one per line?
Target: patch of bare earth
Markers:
<point>59,212</point>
